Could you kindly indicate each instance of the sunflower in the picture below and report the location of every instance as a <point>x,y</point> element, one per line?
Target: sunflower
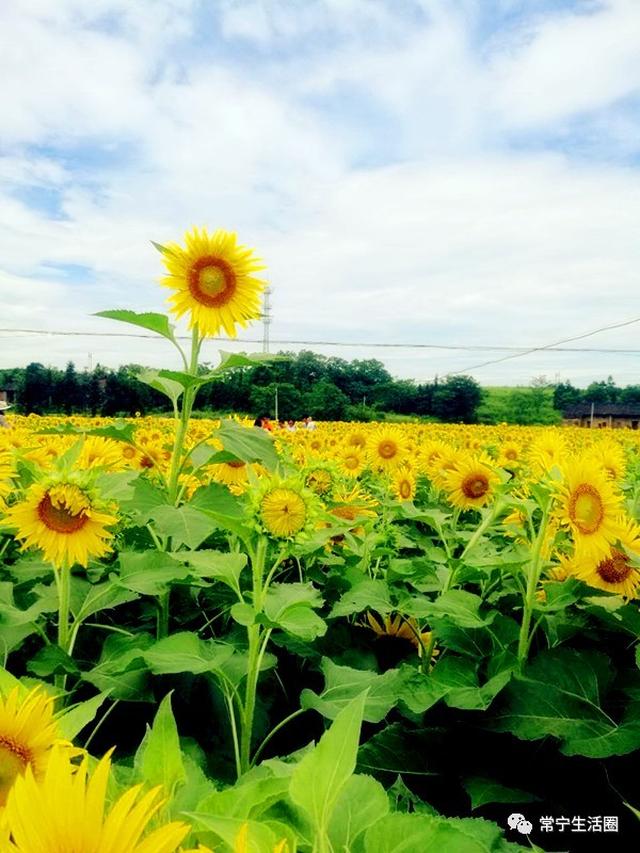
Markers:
<point>549,448</point>
<point>65,811</point>
<point>402,628</point>
<point>590,507</point>
<point>387,448</point>
<point>615,572</point>
<point>354,505</point>
<point>284,508</point>
<point>320,480</point>
<point>470,483</point>
<point>351,461</point>
<point>610,456</point>
<point>64,520</point>
<point>213,282</point>
<point>404,484</point>
<point>27,733</point>
<point>99,452</point>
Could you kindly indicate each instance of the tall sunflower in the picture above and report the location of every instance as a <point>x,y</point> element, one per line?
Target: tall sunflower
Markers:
<point>590,507</point>
<point>213,282</point>
<point>27,733</point>
<point>284,509</point>
<point>67,522</point>
<point>64,812</point>
<point>387,448</point>
<point>470,483</point>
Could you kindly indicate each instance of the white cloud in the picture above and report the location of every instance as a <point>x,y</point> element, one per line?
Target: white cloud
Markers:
<point>462,241</point>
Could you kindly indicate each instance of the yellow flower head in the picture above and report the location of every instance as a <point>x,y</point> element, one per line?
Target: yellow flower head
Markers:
<point>404,484</point>
<point>27,733</point>
<point>213,282</point>
<point>470,483</point>
<point>64,520</point>
<point>284,509</point>
<point>64,812</point>
<point>589,507</point>
<point>387,448</point>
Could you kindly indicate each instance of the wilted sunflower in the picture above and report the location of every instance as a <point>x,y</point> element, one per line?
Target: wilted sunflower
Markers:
<point>64,520</point>
<point>401,627</point>
<point>64,812</point>
<point>213,282</point>
<point>27,733</point>
<point>590,507</point>
<point>470,483</point>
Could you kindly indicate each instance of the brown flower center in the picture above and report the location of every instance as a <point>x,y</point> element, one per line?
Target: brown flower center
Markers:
<point>616,568</point>
<point>475,486</point>
<point>14,758</point>
<point>586,509</point>
<point>405,489</point>
<point>236,464</point>
<point>60,519</point>
<point>212,281</point>
<point>387,449</point>
<point>511,454</point>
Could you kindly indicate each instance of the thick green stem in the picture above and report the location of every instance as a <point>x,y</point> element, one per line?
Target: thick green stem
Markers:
<point>183,421</point>
<point>63,583</point>
<point>533,577</point>
<point>163,614</point>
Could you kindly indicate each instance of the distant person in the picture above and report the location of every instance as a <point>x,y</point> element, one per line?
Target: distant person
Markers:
<point>291,426</point>
<point>263,422</point>
<point>3,408</point>
<point>309,423</point>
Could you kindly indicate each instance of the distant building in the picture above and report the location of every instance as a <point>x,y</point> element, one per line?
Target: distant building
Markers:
<point>7,394</point>
<point>604,415</point>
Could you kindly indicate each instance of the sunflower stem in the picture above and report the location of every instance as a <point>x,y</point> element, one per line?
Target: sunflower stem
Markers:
<point>533,577</point>
<point>63,583</point>
<point>183,423</point>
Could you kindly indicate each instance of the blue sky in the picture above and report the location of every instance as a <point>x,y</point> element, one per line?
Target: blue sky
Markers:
<point>461,172</point>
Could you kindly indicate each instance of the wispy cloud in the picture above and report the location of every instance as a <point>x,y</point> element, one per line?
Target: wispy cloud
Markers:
<point>425,172</point>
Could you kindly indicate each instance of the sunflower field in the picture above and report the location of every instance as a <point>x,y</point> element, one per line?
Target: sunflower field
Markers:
<point>348,639</point>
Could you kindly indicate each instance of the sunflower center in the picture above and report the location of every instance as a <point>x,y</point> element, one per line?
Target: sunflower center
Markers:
<point>475,486</point>
<point>212,281</point>
<point>586,509</point>
<point>60,518</point>
<point>405,489</point>
<point>128,452</point>
<point>616,568</point>
<point>13,759</point>
<point>511,454</point>
<point>387,449</point>
<point>236,464</point>
<point>351,462</point>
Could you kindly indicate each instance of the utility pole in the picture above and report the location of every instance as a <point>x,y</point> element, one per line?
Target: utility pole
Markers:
<point>592,409</point>
<point>90,362</point>
<point>266,318</point>
<point>276,407</point>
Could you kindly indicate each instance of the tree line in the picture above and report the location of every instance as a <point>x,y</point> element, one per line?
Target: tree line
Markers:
<point>305,384</point>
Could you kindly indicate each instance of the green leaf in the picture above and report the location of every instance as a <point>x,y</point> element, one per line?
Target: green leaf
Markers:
<point>217,501</point>
<point>224,567</point>
<point>52,660</point>
<point>318,781</point>
<point>149,572</point>
<point>103,596</point>
<point>186,652</point>
<point>421,833</point>
<point>72,721</point>
<point>455,680</point>
<point>185,524</point>
<point>249,444</point>
<point>145,499</point>
<point>122,670</point>
<point>233,360</point>
<point>249,798</point>
<point>158,323</point>
<point>456,606</point>
<point>261,836</point>
<point>483,791</point>
<point>365,595</point>
<point>289,606</point>
<point>169,387</point>
<point>560,694</point>
<point>158,760</point>
<point>119,430</point>
<point>398,750</point>
<point>342,684</point>
<point>361,803</point>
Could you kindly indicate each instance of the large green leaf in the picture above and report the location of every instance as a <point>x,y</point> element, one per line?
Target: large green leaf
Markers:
<point>318,781</point>
<point>366,595</point>
<point>561,694</point>
<point>421,833</point>
<point>483,791</point>
<point>122,670</point>
<point>343,684</point>
<point>158,323</point>
<point>72,721</point>
<point>249,444</point>
<point>249,798</point>
<point>455,606</point>
<point>263,836</point>
<point>169,387</point>
<point>149,572</point>
<point>186,525</point>
<point>289,606</point>
<point>224,567</point>
<point>455,680</point>
<point>102,596</point>
<point>158,760</point>
<point>397,749</point>
<point>186,652</point>
<point>361,803</point>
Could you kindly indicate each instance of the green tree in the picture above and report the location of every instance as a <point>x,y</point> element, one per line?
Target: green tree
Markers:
<point>565,395</point>
<point>457,399</point>
<point>325,401</point>
<point>70,389</point>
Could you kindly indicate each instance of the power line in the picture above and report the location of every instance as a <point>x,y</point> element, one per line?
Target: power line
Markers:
<point>553,347</point>
<point>518,351</point>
